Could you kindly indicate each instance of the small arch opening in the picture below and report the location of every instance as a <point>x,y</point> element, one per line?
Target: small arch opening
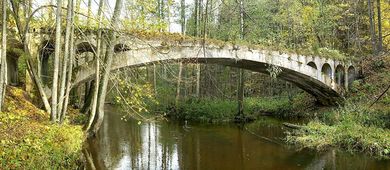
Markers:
<point>312,64</point>
<point>85,47</point>
<point>326,73</point>
<point>340,75</point>
<point>46,61</point>
<point>121,48</point>
<point>351,75</point>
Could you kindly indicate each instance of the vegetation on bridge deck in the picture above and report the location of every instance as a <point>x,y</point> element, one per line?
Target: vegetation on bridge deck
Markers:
<point>172,39</point>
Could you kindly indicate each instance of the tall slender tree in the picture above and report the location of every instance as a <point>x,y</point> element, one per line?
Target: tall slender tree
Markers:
<point>241,79</point>
<point>3,62</point>
<point>107,67</point>
<point>380,38</point>
<point>183,25</point>
<point>65,59</point>
<point>97,71</point>
<point>372,26</point>
<point>57,52</point>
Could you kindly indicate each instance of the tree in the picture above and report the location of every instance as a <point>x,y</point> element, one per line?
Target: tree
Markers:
<point>3,62</point>
<point>57,52</point>
<point>380,39</point>
<point>107,68</point>
<point>65,61</point>
<point>183,26</point>
<point>241,79</point>
<point>372,26</point>
<point>97,71</point>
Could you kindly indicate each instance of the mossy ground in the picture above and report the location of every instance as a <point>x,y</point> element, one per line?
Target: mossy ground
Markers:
<point>29,141</point>
<point>356,126</point>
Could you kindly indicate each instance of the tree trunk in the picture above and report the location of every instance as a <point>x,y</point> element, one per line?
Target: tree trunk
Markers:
<point>372,27</point>
<point>35,77</point>
<point>183,16</point>
<point>69,24</point>
<point>54,89</point>
<point>241,73</point>
<point>89,12</point>
<point>97,71</point>
<point>380,38</point>
<point>154,80</point>
<point>196,33</point>
<point>3,55</point>
<point>107,67</point>
<point>179,84</point>
<point>69,75</point>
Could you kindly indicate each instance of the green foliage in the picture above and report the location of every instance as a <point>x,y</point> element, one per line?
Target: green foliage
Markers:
<point>206,110</point>
<point>352,127</point>
<point>29,141</point>
<point>220,110</point>
<point>50,147</point>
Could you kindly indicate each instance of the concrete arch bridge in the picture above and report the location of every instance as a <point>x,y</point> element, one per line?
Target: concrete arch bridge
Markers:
<point>326,79</point>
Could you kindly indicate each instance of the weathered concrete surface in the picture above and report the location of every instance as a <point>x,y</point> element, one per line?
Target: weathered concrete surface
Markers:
<point>313,74</point>
<point>294,67</point>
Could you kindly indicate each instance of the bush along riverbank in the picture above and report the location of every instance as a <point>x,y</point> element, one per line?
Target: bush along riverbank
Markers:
<point>29,141</point>
<point>356,126</point>
<point>220,110</point>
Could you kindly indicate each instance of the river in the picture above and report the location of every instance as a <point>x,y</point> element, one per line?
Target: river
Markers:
<point>175,145</point>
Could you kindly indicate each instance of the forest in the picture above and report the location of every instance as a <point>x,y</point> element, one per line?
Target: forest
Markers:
<point>64,62</point>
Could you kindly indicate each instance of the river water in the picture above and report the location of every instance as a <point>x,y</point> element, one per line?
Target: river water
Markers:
<point>174,145</point>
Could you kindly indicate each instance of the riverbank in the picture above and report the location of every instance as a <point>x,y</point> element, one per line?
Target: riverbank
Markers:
<point>29,141</point>
<point>222,110</point>
<point>357,126</point>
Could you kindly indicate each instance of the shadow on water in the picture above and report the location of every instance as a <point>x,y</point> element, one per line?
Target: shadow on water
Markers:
<point>172,145</point>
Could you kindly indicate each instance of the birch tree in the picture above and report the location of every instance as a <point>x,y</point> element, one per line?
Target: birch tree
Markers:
<point>97,71</point>
<point>57,52</point>
<point>68,29</point>
<point>107,67</point>
<point>3,68</point>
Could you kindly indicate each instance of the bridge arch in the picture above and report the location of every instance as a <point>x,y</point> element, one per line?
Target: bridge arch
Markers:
<point>351,75</point>
<point>46,60</point>
<point>304,76</point>
<point>85,52</point>
<point>326,71</point>
<point>312,64</point>
<point>340,75</point>
<point>121,48</point>
<point>83,47</point>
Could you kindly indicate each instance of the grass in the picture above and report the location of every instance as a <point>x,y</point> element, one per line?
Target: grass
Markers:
<point>29,141</point>
<point>222,110</point>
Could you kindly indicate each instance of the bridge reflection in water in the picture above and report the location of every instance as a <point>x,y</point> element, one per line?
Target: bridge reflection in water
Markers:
<point>127,145</point>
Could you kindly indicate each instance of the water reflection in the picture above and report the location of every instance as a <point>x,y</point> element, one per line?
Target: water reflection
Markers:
<point>127,145</point>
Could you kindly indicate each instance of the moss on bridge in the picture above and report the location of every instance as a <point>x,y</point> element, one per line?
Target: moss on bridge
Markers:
<point>172,39</point>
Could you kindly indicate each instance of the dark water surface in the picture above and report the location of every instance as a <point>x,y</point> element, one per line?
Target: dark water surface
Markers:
<point>172,145</point>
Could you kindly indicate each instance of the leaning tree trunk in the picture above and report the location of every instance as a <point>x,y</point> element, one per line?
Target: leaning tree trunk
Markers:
<point>97,71</point>
<point>3,54</point>
<point>69,23</point>
<point>107,67</point>
<point>23,36</point>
